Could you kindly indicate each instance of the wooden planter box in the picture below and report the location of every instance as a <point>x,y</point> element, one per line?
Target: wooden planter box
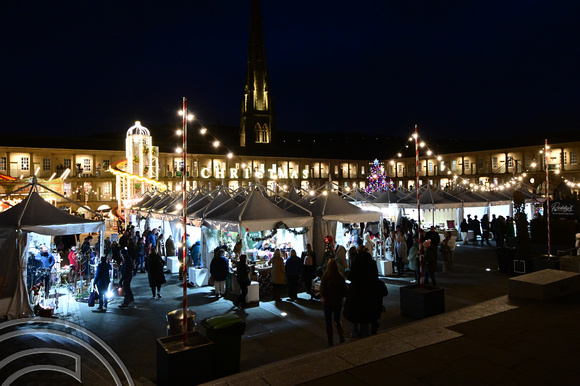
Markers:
<point>420,302</point>
<point>175,360</point>
<point>505,259</point>
<point>534,264</point>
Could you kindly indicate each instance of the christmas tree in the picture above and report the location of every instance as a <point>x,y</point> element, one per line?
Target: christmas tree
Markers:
<point>377,178</point>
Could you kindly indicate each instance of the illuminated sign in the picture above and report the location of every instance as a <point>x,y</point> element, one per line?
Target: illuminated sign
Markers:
<point>246,173</point>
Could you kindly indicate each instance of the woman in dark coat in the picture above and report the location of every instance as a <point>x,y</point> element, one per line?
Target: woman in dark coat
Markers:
<point>243,278</point>
<point>154,265</point>
<point>332,293</point>
<point>360,306</point>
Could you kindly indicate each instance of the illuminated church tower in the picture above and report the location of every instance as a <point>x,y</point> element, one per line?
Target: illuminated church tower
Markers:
<point>257,124</point>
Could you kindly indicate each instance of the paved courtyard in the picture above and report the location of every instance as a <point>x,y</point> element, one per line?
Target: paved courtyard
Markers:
<point>275,331</point>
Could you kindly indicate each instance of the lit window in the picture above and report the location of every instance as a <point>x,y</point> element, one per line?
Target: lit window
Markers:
<point>67,163</point>
<point>46,164</point>
<point>107,188</point>
<point>24,163</point>
<point>106,164</point>
<point>87,165</point>
<point>430,166</point>
<point>573,158</point>
<point>494,162</point>
<point>3,163</point>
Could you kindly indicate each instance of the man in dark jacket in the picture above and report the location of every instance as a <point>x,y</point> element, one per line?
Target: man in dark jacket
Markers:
<point>219,269</point>
<point>126,277</point>
<point>293,272</point>
<point>102,280</point>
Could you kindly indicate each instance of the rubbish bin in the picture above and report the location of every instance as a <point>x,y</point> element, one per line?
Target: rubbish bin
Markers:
<point>175,321</point>
<point>173,357</point>
<point>226,332</point>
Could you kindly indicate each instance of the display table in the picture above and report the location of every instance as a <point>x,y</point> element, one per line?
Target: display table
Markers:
<point>173,264</point>
<point>253,290</point>
<point>198,276</point>
<point>385,267</point>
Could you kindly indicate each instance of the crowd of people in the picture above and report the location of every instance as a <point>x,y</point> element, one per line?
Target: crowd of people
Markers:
<point>499,229</point>
<point>345,279</point>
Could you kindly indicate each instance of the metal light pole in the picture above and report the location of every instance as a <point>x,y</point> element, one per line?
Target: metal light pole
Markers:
<point>418,206</point>
<point>547,196</point>
<point>184,212</point>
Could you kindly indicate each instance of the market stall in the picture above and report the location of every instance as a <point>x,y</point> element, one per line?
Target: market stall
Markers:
<point>327,210</point>
<point>32,215</point>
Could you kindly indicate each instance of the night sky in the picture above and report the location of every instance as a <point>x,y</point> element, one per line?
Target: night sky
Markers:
<point>459,69</point>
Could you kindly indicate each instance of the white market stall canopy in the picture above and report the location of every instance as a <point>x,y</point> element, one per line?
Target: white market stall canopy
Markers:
<point>333,208</point>
<point>256,213</point>
<point>34,214</point>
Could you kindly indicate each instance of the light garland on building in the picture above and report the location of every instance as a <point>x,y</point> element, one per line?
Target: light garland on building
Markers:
<point>118,172</point>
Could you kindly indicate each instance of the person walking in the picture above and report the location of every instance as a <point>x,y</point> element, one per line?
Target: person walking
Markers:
<point>102,280</point>
<point>278,274</point>
<point>430,262</point>
<point>332,294</point>
<point>154,267</point>
<point>219,269</point>
<point>243,278</point>
<point>170,246</point>
<point>400,252</point>
<point>194,254</point>
<point>501,229</point>
<point>309,269</point>
<point>126,276</point>
<point>360,299</point>
<point>493,226</point>
<point>464,229</point>
<point>445,249</point>
<point>485,226</point>
<point>293,272</point>
<point>476,226</point>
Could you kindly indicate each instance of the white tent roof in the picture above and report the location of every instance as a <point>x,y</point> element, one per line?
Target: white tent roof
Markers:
<point>34,214</point>
<point>257,213</point>
<point>333,208</point>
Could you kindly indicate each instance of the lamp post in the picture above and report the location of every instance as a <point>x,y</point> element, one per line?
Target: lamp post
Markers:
<point>184,212</point>
<point>547,196</point>
<point>418,206</point>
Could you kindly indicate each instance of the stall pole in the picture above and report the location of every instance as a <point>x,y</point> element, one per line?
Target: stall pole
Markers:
<point>418,206</point>
<point>547,196</point>
<point>184,212</point>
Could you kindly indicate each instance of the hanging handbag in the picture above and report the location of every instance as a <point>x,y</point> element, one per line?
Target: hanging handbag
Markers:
<point>92,298</point>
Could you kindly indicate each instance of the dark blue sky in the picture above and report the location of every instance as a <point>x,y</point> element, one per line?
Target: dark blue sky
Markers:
<point>460,69</point>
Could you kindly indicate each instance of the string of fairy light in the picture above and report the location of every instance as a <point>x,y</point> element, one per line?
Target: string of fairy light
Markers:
<point>215,142</point>
<point>518,177</point>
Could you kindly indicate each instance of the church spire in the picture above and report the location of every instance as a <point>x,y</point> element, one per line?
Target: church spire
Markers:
<point>257,111</point>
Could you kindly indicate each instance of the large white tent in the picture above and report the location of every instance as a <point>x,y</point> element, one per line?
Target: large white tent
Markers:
<point>257,213</point>
<point>33,214</point>
<point>327,210</point>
